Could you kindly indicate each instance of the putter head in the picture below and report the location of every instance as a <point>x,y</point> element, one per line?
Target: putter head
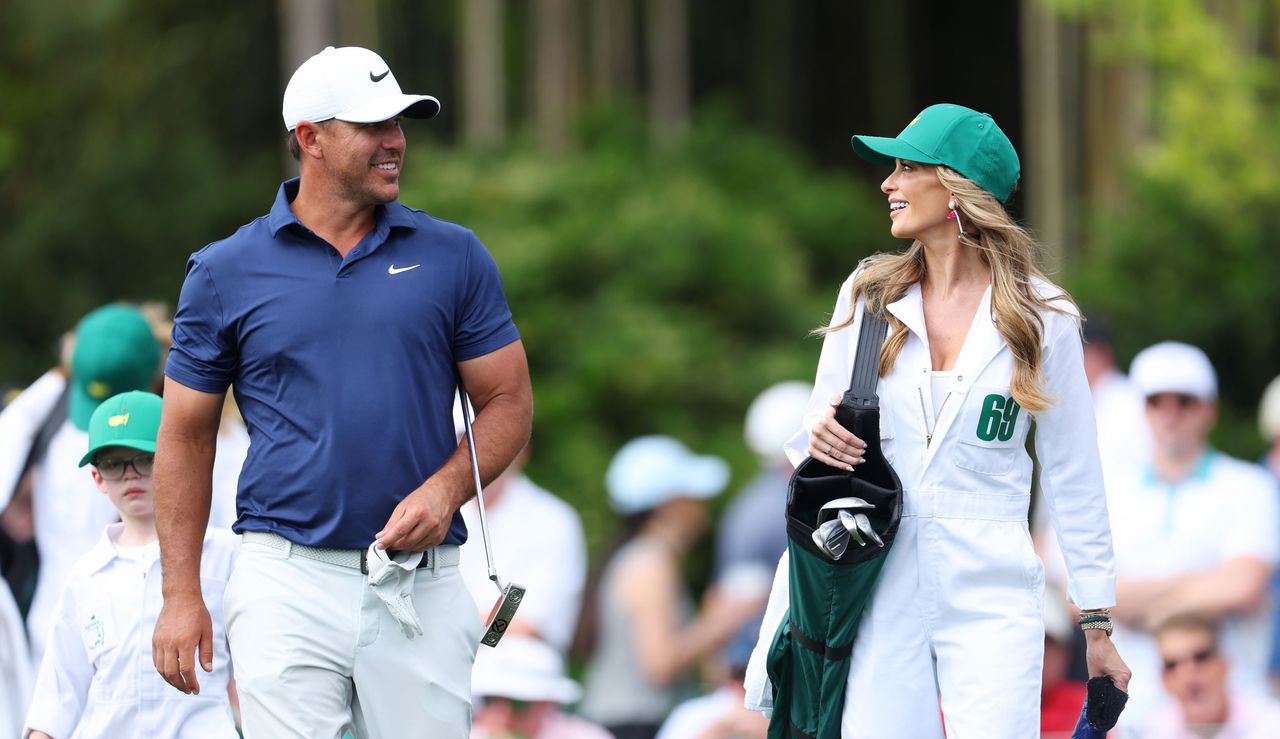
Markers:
<point>504,609</point>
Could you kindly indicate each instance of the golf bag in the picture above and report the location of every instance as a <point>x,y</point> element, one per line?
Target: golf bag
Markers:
<point>831,585</point>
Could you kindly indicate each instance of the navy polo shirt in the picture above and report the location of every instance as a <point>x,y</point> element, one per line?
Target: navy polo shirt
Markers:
<point>344,369</point>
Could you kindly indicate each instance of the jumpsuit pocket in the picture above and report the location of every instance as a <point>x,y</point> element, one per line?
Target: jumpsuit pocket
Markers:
<point>992,432</point>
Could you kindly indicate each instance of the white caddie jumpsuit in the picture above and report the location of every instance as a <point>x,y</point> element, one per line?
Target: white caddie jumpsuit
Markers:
<point>956,615</point>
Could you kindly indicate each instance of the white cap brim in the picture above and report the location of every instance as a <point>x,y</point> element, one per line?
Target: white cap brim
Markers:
<point>386,108</point>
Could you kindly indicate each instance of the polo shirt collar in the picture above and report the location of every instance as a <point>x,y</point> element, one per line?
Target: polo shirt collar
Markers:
<point>1199,473</point>
<point>390,216</point>
<point>104,551</point>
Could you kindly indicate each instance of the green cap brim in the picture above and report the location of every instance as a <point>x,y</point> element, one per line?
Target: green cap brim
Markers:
<point>883,150</point>
<point>142,445</point>
<point>80,406</point>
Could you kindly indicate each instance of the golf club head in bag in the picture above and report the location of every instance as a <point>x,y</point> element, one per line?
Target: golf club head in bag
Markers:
<point>510,595</point>
<point>865,504</point>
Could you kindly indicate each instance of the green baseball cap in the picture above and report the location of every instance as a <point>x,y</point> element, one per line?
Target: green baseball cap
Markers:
<point>963,139</point>
<point>129,419</point>
<point>115,351</point>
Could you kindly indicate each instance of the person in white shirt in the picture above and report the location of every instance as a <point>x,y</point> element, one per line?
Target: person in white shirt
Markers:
<point>538,542</point>
<point>96,678</point>
<point>1194,530</point>
<point>114,352</point>
<point>1194,671</point>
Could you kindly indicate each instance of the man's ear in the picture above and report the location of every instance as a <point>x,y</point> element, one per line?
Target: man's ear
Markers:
<point>97,479</point>
<point>309,135</point>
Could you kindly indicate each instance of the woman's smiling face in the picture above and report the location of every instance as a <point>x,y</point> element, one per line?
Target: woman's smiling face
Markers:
<point>918,203</point>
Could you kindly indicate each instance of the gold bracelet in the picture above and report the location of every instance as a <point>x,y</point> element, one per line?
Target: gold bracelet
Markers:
<point>1099,626</point>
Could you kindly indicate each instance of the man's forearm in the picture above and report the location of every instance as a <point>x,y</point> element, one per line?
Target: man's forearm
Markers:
<point>501,429</point>
<point>183,491</point>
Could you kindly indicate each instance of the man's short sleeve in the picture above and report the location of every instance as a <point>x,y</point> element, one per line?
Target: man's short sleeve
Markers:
<point>484,320</point>
<point>203,356</point>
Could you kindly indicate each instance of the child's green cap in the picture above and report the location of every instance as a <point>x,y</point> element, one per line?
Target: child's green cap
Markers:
<point>129,419</point>
<point>955,136</point>
<point>115,351</point>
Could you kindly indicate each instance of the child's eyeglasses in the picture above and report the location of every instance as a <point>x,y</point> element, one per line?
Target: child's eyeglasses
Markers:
<point>112,468</point>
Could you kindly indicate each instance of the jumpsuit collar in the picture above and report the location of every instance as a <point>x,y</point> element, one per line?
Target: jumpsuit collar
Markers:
<point>981,345</point>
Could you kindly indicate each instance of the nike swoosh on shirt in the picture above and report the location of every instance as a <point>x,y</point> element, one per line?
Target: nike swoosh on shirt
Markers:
<point>378,77</point>
<point>394,270</point>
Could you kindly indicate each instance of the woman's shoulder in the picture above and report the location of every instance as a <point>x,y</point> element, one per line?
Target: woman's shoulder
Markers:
<point>1058,310</point>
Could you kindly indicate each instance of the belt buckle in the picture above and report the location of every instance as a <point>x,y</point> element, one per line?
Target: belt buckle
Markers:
<point>427,558</point>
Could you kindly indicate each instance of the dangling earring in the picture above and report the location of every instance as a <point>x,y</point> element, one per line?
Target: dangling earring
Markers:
<point>954,216</point>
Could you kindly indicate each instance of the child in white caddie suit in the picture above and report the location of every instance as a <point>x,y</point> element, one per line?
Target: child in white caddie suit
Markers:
<point>97,678</point>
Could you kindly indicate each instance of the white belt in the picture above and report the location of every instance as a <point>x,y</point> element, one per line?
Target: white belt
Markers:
<point>443,555</point>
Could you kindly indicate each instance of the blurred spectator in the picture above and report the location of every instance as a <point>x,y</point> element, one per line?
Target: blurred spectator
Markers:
<point>1060,697</point>
<point>537,542</point>
<point>1269,423</point>
<point>752,533</point>
<point>647,641</point>
<point>721,713</point>
<point>114,352</point>
<point>15,666</point>
<point>1123,436</point>
<point>1194,530</point>
<point>520,687</point>
<point>1194,671</point>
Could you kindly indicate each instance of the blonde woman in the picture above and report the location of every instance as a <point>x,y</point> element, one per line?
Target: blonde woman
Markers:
<point>981,348</point>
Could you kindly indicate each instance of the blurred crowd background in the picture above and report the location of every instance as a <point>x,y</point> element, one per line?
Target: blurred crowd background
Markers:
<point>666,185</point>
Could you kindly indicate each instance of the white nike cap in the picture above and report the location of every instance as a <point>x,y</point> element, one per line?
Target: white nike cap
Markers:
<point>351,84</point>
<point>1174,367</point>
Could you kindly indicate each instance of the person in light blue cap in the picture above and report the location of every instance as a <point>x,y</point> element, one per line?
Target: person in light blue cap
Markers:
<point>647,634</point>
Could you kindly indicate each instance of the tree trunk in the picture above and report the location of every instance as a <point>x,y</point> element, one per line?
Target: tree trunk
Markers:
<point>555,61</point>
<point>668,45</point>
<point>613,47</point>
<point>306,27</point>
<point>772,69</point>
<point>1051,143</point>
<point>483,83</point>
<point>884,28</point>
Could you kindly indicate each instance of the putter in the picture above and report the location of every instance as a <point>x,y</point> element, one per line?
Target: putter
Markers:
<point>509,595</point>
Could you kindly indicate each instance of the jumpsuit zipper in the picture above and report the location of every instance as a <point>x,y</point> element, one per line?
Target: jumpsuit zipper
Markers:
<point>929,427</point>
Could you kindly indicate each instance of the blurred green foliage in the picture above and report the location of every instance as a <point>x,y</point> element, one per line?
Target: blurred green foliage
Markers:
<point>133,132</point>
<point>658,288</point>
<point>1190,252</point>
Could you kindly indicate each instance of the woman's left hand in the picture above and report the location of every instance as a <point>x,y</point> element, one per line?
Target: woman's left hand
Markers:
<point>1103,660</point>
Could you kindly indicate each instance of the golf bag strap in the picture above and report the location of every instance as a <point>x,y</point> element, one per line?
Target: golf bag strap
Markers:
<point>819,646</point>
<point>866,362</point>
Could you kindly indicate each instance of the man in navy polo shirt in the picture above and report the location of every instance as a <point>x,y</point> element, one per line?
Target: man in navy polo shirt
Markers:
<point>343,320</point>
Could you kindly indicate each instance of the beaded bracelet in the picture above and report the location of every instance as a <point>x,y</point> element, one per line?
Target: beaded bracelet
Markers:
<point>1094,618</point>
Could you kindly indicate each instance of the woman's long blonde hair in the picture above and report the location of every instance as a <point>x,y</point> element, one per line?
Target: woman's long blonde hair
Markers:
<point>1010,252</point>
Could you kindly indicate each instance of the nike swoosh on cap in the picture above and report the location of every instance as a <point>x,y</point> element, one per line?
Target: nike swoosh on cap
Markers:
<point>378,77</point>
<point>394,270</point>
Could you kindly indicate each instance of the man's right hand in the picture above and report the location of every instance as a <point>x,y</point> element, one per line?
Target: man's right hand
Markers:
<point>184,626</point>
